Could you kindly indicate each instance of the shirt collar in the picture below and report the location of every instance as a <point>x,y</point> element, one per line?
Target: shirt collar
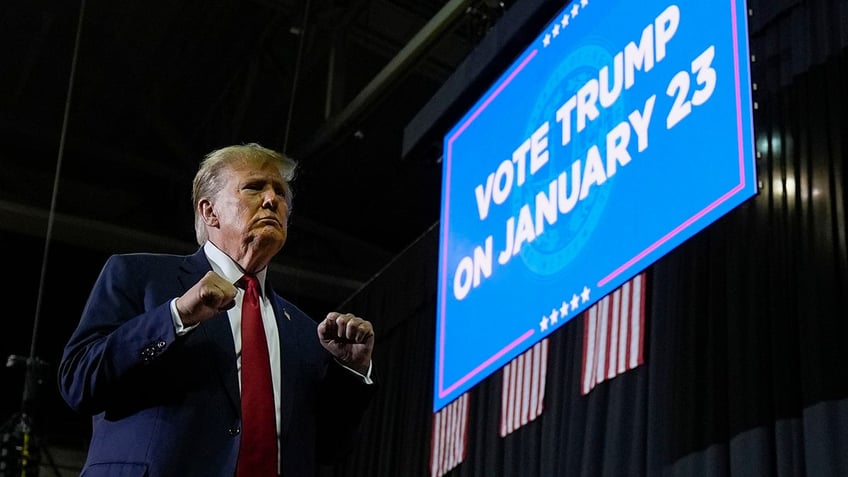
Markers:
<point>225,266</point>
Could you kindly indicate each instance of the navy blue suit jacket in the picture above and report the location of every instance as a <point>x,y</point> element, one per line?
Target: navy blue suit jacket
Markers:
<point>166,405</point>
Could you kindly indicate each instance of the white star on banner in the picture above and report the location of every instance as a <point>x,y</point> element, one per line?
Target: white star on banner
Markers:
<point>554,316</point>
<point>546,40</point>
<point>575,10</point>
<point>555,32</point>
<point>585,294</point>
<point>563,309</point>
<point>583,3</point>
<point>543,325</point>
<point>575,302</point>
<point>564,21</point>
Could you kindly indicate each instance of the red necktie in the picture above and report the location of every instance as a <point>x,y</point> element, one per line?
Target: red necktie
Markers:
<point>258,451</point>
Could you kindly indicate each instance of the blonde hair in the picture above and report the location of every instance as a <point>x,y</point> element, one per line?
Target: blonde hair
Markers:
<point>208,181</point>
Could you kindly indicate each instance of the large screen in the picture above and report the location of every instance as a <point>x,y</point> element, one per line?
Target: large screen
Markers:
<point>622,130</point>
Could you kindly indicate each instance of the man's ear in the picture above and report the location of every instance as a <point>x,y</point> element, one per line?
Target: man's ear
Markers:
<point>207,211</point>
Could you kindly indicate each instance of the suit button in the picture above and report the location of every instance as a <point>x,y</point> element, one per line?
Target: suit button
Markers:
<point>160,344</point>
<point>234,431</point>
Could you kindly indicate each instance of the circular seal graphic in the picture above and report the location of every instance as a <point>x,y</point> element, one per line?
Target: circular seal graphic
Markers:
<point>561,242</point>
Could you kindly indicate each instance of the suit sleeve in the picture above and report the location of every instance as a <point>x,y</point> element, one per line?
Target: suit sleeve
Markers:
<point>122,332</point>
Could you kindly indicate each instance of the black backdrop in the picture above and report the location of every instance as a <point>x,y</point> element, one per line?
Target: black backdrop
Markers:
<point>746,333</point>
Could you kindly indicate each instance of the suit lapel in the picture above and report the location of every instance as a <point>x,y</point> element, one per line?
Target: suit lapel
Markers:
<point>217,330</point>
<point>289,355</point>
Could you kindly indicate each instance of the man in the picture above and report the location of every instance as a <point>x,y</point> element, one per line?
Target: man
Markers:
<point>157,358</point>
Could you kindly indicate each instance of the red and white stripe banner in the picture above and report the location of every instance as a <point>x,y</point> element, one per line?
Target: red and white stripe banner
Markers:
<point>450,434</point>
<point>613,334</point>
<point>523,390</point>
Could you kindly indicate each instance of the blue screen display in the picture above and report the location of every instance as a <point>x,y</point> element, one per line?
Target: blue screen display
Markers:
<point>622,130</point>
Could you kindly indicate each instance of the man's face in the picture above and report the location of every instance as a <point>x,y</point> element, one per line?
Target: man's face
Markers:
<point>252,210</point>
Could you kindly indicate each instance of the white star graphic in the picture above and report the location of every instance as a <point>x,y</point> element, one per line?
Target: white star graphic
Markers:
<point>555,32</point>
<point>575,302</point>
<point>546,40</point>
<point>583,3</point>
<point>554,316</point>
<point>575,10</point>
<point>563,309</point>
<point>585,294</point>
<point>564,21</point>
<point>544,323</point>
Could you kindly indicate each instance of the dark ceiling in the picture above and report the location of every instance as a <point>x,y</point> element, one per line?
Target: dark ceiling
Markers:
<point>107,107</point>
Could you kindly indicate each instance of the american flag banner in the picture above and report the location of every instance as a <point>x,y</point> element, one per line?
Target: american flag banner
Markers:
<point>613,334</point>
<point>450,432</point>
<point>523,389</point>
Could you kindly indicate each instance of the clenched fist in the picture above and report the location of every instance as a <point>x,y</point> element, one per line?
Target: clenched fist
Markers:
<point>349,338</point>
<point>211,295</point>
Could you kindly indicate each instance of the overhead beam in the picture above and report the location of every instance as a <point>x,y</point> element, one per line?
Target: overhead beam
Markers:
<point>386,78</point>
<point>504,41</point>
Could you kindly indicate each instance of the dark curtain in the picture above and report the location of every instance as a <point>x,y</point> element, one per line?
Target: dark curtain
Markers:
<point>746,335</point>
